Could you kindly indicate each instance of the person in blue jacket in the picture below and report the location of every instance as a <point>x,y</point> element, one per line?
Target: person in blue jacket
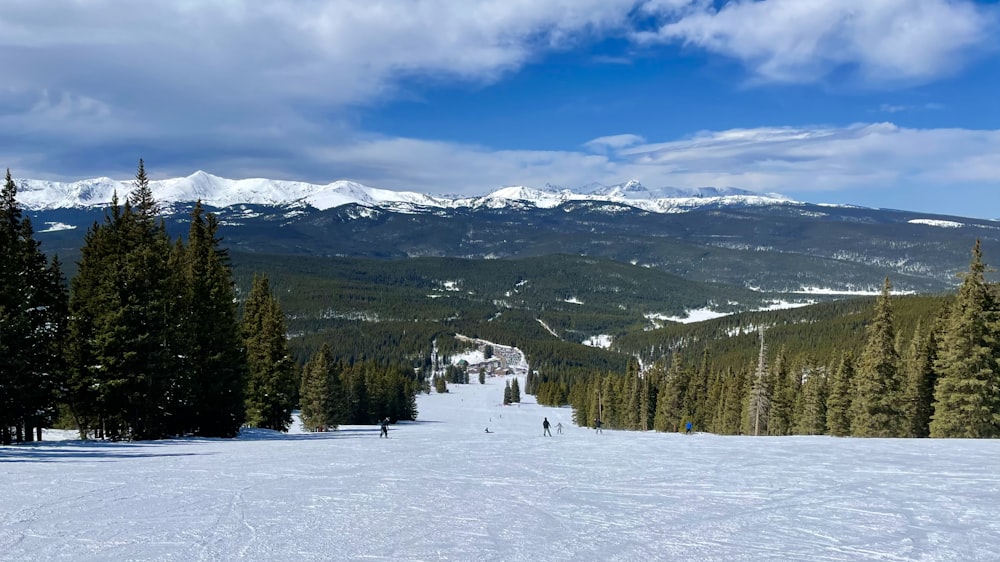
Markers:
<point>687,427</point>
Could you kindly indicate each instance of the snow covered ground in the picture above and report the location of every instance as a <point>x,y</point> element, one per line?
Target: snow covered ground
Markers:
<point>443,489</point>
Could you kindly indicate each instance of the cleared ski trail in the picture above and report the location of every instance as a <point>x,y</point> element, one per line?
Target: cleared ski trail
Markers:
<point>443,489</point>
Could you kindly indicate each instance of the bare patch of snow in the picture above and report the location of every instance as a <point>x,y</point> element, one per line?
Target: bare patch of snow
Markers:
<point>936,222</point>
<point>547,328</point>
<point>602,341</point>
<point>855,292</point>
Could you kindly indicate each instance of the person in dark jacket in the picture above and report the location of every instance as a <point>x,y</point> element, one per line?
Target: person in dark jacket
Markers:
<point>597,425</point>
<point>545,428</point>
<point>385,429</point>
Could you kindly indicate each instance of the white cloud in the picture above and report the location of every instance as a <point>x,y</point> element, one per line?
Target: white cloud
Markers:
<point>879,156</point>
<point>886,41</point>
<point>874,155</point>
<point>332,52</point>
<point>266,88</point>
<point>614,142</point>
<point>898,108</point>
<point>250,77</point>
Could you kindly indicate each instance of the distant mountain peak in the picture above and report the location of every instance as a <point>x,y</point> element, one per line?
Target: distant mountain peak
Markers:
<point>221,192</point>
<point>631,189</point>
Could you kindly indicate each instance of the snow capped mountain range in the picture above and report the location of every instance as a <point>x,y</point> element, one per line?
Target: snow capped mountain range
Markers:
<point>221,192</point>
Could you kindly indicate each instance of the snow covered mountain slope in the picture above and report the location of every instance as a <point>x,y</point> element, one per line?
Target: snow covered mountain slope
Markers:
<point>442,488</point>
<point>217,192</point>
<point>221,192</point>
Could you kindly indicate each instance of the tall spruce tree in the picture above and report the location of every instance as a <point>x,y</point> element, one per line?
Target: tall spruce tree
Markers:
<point>122,300</point>
<point>841,397</point>
<point>731,414</point>
<point>216,364</point>
<point>811,417</point>
<point>670,399</point>
<point>920,381</point>
<point>32,324</point>
<point>320,394</point>
<point>967,393</point>
<point>271,376</point>
<point>783,386</point>
<point>515,390</point>
<point>879,404</point>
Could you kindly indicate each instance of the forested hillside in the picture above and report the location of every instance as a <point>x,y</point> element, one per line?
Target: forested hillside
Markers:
<point>895,367</point>
<point>150,341</point>
<point>157,335</point>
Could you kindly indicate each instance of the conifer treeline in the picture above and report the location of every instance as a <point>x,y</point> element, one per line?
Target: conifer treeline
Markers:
<point>944,381</point>
<point>364,393</point>
<point>148,341</point>
<point>32,324</point>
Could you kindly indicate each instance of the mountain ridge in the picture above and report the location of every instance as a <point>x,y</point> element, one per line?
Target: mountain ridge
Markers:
<point>223,192</point>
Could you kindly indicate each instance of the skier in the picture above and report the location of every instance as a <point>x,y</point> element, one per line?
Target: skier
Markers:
<point>597,425</point>
<point>687,427</point>
<point>385,429</point>
<point>559,428</point>
<point>545,428</point>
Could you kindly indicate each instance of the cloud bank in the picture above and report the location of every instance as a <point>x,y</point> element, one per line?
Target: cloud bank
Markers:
<point>885,41</point>
<point>248,88</point>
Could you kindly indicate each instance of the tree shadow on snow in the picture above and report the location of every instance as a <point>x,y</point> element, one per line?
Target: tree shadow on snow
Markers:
<point>88,451</point>
<point>256,434</point>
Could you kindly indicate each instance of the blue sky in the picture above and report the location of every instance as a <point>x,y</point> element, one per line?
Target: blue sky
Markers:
<point>882,103</point>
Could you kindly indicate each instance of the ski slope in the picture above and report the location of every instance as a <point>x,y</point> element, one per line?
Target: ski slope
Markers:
<point>443,489</point>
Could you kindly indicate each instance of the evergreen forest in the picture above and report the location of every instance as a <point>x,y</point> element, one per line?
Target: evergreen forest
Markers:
<point>156,336</point>
<point>150,338</point>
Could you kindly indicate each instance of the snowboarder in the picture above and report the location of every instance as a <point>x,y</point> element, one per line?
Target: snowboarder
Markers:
<point>597,425</point>
<point>687,427</point>
<point>385,429</point>
<point>545,428</point>
<point>559,428</point>
<point>488,430</point>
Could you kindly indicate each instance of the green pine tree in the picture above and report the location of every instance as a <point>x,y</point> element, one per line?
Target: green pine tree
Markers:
<point>813,396</point>
<point>217,363</point>
<point>271,376</point>
<point>967,393</point>
<point>670,398</point>
<point>320,393</point>
<point>920,381</point>
<point>32,325</point>
<point>841,397</point>
<point>878,408</point>
<point>783,388</point>
<point>124,358</point>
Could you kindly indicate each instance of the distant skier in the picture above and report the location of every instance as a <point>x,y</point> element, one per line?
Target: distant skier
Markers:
<point>559,428</point>
<point>597,425</point>
<point>488,430</point>
<point>385,429</point>
<point>545,428</point>
<point>687,427</point>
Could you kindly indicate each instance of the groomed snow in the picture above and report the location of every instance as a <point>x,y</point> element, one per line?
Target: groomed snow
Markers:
<point>443,489</point>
